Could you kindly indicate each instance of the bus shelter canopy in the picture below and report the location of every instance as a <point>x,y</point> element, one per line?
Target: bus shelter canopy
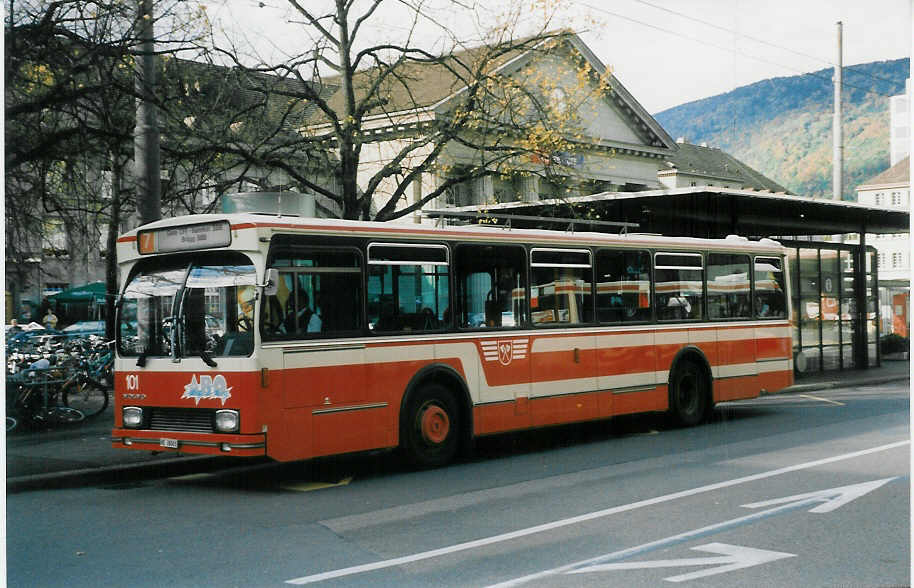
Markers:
<point>706,211</point>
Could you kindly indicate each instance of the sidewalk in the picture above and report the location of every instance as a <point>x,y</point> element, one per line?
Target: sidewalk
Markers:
<point>82,453</point>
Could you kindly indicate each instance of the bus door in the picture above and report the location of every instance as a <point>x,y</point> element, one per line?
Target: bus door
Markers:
<point>729,299</point>
<point>564,356</point>
<point>317,307</point>
<point>626,351</point>
<point>491,302</point>
<point>773,343</point>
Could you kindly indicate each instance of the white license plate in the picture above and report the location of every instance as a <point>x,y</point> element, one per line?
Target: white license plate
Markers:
<point>169,443</point>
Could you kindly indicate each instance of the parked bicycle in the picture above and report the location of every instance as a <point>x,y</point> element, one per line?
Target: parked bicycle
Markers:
<point>57,382</point>
<point>82,392</point>
<point>34,398</point>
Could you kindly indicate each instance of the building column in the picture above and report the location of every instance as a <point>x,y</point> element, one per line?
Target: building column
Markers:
<point>417,196</point>
<point>485,190</point>
<point>530,188</point>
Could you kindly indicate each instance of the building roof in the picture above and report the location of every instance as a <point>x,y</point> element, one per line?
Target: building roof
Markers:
<point>433,84</point>
<point>897,174</point>
<point>712,162</point>
<point>234,91</point>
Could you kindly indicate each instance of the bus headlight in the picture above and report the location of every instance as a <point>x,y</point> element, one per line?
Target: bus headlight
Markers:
<point>133,417</point>
<point>227,421</point>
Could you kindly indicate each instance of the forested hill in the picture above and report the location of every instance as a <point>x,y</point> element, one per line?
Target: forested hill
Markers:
<point>783,126</point>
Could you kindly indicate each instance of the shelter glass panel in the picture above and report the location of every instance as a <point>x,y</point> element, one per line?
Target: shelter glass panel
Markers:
<point>831,357</point>
<point>830,315</point>
<point>847,273</point>
<point>847,356</point>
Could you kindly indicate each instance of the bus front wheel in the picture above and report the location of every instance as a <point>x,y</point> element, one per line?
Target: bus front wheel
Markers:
<point>688,394</point>
<point>432,426</point>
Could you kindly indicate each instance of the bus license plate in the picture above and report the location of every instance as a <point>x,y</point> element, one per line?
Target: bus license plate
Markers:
<point>169,443</point>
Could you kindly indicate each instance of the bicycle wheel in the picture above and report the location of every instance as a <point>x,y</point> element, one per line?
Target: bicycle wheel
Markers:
<point>87,396</point>
<point>63,415</point>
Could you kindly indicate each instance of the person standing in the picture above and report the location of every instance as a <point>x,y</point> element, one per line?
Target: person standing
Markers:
<point>50,319</point>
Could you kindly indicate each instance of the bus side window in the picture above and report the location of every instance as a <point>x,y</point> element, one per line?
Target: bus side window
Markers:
<point>623,286</point>
<point>492,286</point>
<point>770,299</point>
<point>728,286</point>
<point>679,285</point>
<point>408,286</point>
<point>560,292</point>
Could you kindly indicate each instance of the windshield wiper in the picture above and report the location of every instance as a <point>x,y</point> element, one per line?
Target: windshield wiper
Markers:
<point>141,360</point>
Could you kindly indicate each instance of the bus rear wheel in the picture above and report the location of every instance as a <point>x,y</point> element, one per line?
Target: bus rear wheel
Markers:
<point>689,394</point>
<point>431,430</point>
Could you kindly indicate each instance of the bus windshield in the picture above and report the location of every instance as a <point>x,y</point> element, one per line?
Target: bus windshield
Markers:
<point>189,306</point>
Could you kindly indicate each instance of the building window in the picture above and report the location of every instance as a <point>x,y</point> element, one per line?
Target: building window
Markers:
<point>881,260</point>
<point>896,198</point>
<point>896,260</point>
<point>878,198</point>
<point>460,194</point>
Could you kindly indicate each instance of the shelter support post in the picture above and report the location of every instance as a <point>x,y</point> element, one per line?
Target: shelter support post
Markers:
<point>861,352</point>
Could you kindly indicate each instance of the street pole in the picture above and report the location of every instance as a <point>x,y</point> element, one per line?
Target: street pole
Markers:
<point>146,132</point>
<point>838,158</point>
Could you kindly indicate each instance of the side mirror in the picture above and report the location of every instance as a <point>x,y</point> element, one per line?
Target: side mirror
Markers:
<point>271,287</point>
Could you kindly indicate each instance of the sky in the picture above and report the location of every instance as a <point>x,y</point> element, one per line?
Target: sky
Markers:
<point>665,52</point>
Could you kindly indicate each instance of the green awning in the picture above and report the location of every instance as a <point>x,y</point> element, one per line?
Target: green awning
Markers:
<point>91,292</point>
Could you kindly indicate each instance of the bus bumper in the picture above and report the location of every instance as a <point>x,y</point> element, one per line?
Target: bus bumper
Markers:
<point>207,444</point>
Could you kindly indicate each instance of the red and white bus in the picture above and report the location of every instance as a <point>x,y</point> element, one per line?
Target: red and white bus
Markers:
<point>253,335</point>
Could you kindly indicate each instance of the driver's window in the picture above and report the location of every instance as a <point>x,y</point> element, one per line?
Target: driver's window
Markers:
<point>319,294</point>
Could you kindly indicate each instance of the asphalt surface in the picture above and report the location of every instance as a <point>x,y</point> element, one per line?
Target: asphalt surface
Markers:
<point>81,454</point>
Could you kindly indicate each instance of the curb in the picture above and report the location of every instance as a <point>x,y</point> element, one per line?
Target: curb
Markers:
<point>117,472</point>
<point>840,384</point>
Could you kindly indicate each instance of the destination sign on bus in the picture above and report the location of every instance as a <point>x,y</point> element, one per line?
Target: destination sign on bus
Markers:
<point>185,238</point>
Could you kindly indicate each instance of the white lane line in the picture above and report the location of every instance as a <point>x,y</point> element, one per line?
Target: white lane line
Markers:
<point>407,559</point>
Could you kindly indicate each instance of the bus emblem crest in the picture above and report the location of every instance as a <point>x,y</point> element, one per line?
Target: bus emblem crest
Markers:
<point>504,351</point>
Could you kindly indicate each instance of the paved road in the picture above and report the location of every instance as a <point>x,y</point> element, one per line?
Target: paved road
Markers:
<point>808,490</point>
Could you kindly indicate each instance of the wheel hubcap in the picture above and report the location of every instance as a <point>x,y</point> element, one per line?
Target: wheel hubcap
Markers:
<point>435,424</point>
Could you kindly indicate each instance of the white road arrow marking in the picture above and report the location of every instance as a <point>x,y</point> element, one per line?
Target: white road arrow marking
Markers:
<point>520,533</point>
<point>831,499</point>
<point>734,557</point>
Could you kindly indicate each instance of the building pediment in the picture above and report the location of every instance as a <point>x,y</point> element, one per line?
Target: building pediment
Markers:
<point>609,115</point>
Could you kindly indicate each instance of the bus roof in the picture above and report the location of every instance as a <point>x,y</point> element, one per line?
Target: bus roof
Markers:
<point>266,225</point>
